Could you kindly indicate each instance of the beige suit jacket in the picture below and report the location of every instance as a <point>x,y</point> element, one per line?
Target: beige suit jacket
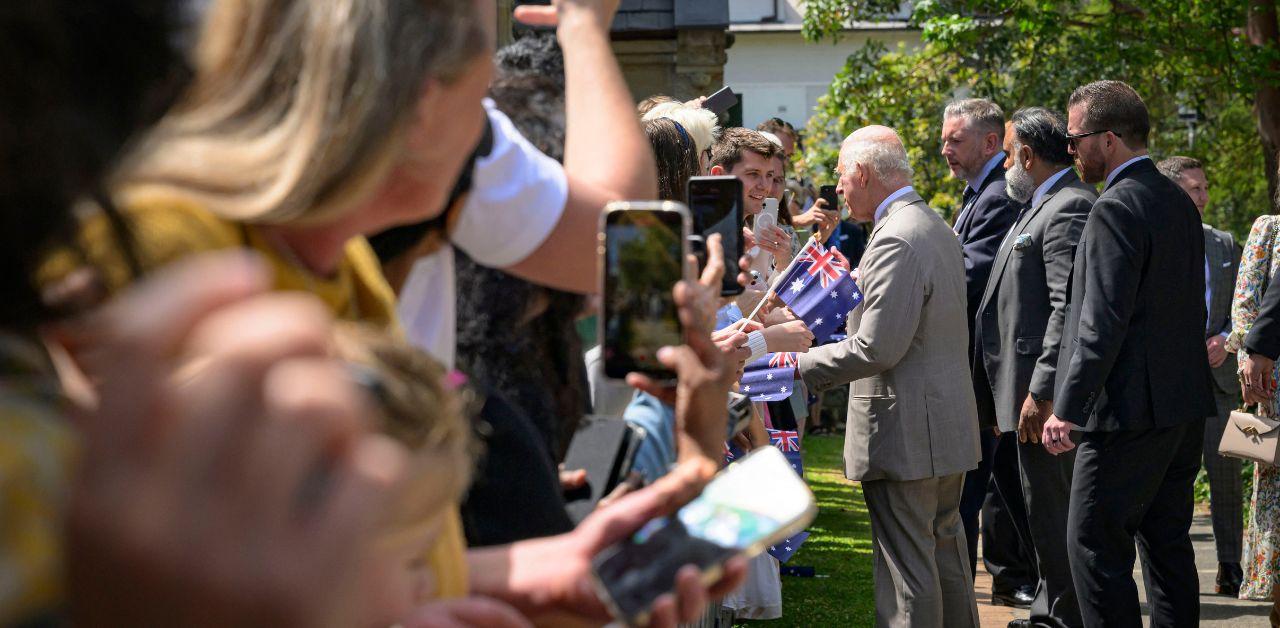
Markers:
<point>912,413</point>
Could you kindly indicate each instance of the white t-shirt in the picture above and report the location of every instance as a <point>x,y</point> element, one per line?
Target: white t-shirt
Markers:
<point>516,199</point>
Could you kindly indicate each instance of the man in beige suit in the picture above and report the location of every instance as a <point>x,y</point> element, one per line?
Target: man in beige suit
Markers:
<point>911,431</point>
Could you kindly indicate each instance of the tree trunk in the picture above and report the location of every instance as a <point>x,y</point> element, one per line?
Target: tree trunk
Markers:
<point>1264,30</point>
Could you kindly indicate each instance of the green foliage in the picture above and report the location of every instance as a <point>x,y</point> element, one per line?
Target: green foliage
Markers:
<point>839,548</point>
<point>1188,53</point>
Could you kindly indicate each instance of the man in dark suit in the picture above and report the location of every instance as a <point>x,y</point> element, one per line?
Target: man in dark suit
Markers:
<point>1019,328</point>
<point>972,143</point>
<point>1133,372</point>
<point>1222,259</point>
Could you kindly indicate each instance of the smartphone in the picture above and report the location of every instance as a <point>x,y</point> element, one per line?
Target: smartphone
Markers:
<point>828,194</point>
<point>643,248</point>
<point>606,448</point>
<point>739,414</point>
<point>761,260</point>
<point>751,505</point>
<point>721,101</point>
<point>716,206</point>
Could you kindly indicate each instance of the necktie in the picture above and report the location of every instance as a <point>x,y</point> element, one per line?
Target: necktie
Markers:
<point>967,199</point>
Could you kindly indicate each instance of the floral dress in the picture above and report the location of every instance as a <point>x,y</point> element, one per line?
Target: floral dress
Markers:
<point>1262,536</point>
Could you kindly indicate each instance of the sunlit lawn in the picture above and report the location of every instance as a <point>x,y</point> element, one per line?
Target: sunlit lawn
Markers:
<point>839,548</point>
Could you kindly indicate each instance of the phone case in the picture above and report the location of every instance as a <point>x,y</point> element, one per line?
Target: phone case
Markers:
<point>623,206</point>
<point>763,480</point>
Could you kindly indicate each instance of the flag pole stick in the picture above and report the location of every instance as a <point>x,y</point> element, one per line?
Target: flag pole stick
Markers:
<point>773,286</point>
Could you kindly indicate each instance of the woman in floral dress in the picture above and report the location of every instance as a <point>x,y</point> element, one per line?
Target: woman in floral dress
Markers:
<point>1262,537</point>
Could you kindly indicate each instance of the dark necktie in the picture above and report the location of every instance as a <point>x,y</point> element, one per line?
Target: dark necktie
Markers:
<point>966,200</point>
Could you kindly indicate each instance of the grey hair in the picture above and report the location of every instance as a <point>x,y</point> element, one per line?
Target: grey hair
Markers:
<point>888,160</point>
<point>979,113</point>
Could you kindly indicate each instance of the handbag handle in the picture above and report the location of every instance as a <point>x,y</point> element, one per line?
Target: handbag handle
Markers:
<point>1263,409</point>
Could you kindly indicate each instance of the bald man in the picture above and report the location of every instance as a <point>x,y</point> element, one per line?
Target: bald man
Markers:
<point>910,433</point>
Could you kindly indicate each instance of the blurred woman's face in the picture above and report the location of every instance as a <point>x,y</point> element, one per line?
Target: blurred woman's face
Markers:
<point>448,124</point>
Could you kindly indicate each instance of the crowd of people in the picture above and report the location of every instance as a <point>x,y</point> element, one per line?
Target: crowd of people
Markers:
<point>290,332</point>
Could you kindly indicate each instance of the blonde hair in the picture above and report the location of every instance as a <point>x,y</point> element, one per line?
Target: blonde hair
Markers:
<point>415,407</point>
<point>297,106</point>
<point>700,123</point>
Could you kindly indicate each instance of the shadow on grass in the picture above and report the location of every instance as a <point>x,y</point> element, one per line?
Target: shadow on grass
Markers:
<point>839,549</point>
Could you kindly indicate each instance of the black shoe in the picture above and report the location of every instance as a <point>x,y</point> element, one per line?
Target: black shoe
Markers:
<point>1021,623</point>
<point>1230,575</point>
<point>1020,597</point>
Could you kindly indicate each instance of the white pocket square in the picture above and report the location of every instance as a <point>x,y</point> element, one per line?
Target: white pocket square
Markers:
<point>1226,264</point>
<point>1021,242</point>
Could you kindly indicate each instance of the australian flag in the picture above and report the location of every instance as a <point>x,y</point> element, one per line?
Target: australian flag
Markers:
<point>820,289</point>
<point>771,378</point>
<point>788,442</point>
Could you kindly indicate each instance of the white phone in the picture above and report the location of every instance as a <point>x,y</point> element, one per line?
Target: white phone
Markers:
<point>761,260</point>
<point>752,504</point>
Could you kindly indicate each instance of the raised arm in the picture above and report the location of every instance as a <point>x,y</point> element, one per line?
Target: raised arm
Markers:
<point>606,154</point>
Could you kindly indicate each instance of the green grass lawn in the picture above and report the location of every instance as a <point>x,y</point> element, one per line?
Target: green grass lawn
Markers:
<point>839,548</point>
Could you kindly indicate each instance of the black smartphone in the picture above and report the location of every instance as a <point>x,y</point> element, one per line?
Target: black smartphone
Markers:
<point>828,194</point>
<point>605,447</point>
<point>716,206</point>
<point>721,101</point>
<point>750,505</point>
<point>644,249</point>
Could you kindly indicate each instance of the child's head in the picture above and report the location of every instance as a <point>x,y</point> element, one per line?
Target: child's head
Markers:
<point>415,407</point>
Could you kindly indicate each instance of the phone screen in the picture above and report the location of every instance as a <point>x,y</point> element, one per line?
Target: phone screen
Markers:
<point>750,505</point>
<point>716,205</point>
<point>644,258</point>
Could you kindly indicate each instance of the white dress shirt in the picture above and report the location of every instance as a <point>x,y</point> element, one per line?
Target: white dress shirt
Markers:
<point>884,205</point>
<point>1115,173</point>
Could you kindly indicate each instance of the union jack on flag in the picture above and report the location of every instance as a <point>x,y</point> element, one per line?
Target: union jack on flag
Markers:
<point>826,264</point>
<point>785,440</point>
<point>781,360</point>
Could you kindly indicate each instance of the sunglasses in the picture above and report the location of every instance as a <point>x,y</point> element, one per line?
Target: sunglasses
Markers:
<point>1073,138</point>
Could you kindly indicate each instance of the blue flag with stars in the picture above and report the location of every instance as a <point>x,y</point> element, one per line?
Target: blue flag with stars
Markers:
<point>771,378</point>
<point>820,290</point>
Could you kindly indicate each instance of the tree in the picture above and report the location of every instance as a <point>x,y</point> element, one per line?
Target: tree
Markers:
<point>1220,58</point>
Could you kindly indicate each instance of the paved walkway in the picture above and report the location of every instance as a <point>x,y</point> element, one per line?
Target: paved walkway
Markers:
<point>1215,610</point>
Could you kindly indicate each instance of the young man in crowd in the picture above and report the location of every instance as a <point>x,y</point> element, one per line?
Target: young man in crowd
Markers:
<point>1133,373</point>
<point>972,144</point>
<point>1018,328</point>
<point>1222,260</point>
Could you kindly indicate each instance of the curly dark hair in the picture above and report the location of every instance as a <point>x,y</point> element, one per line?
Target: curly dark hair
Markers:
<point>80,78</point>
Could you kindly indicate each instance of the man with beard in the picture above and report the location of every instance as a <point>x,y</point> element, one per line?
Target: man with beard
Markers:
<point>1222,260</point>
<point>1018,328</point>
<point>972,137</point>
<point>1133,373</point>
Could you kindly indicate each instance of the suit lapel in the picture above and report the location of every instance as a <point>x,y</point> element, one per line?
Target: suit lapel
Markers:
<point>1217,253</point>
<point>1006,246</point>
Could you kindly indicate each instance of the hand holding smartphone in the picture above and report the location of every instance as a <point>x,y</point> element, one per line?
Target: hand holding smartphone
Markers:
<point>750,505</point>
<point>716,207</point>
<point>644,247</point>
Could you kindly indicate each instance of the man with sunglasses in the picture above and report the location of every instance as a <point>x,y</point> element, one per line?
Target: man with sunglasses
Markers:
<point>1133,381</point>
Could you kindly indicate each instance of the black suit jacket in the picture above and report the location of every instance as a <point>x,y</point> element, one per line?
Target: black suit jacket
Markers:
<point>1024,307</point>
<point>981,229</point>
<point>1133,356</point>
<point>1264,336</point>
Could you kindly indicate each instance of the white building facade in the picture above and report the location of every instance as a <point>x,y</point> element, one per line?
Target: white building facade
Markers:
<point>777,72</point>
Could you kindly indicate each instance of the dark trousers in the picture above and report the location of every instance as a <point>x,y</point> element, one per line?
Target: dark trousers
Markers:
<point>1003,551</point>
<point>1226,501</point>
<point>1127,485</point>
<point>1044,486</point>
